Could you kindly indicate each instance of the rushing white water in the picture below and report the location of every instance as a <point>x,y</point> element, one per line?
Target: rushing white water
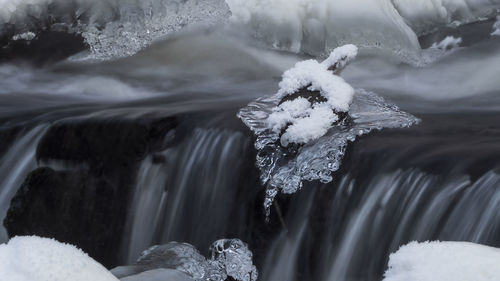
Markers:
<point>317,160</point>
<point>15,166</point>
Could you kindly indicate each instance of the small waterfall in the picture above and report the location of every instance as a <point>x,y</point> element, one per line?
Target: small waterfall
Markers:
<point>188,195</point>
<point>364,221</point>
<point>15,165</point>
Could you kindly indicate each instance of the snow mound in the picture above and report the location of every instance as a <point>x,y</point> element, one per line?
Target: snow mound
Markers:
<point>29,258</point>
<point>444,261</point>
<point>235,257</point>
<point>303,120</point>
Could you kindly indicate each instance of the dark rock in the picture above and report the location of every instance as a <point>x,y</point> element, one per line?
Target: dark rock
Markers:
<point>86,206</point>
<point>73,207</point>
<point>104,145</point>
<point>48,46</point>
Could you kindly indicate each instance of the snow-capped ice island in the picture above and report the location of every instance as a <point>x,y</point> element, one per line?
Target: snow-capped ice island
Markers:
<point>302,131</point>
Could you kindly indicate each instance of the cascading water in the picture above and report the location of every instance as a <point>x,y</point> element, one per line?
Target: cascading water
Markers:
<point>188,182</point>
<point>15,165</point>
<point>139,143</point>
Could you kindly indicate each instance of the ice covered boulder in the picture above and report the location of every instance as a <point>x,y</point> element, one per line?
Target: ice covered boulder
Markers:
<point>160,274</point>
<point>444,261</point>
<point>312,98</point>
<point>230,258</point>
<point>30,258</point>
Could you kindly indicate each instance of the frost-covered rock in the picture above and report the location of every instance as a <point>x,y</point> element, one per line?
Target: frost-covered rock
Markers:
<point>229,257</point>
<point>444,261</point>
<point>312,98</point>
<point>30,258</point>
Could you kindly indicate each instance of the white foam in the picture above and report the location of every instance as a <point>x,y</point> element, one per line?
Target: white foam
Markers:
<point>29,258</point>
<point>444,261</point>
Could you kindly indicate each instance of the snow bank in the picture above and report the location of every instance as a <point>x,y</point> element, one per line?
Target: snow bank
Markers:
<point>444,261</point>
<point>303,120</point>
<point>30,258</point>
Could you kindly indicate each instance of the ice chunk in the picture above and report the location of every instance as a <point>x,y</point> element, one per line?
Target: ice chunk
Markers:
<point>180,256</point>
<point>318,159</point>
<point>444,261</point>
<point>230,257</point>
<point>160,274</point>
<point>28,258</point>
<point>236,258</point>
<point>448,43</point>
<point>314,123</point>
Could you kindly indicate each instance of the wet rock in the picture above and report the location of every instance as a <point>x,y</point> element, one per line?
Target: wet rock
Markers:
<point>84,202</point>
<point>45,47</point>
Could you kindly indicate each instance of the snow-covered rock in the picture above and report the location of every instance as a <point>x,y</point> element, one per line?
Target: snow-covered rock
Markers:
<point>303,115</point>
<point>32,258</point>
<point>444,261</point>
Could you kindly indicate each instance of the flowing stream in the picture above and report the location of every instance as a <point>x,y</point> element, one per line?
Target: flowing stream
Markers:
<point>152,111</point>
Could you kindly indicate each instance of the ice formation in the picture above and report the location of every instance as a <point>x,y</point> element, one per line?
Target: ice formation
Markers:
<point>28,258</point>
<point>235,257</point>
<point>229,257</point>
<point>496,27</point>
<point>316,27</point>
<point>323,147</point>
<point>444,261</point>
<point>448,43</point>
<point>303,120</point>
<point>111,28</point>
